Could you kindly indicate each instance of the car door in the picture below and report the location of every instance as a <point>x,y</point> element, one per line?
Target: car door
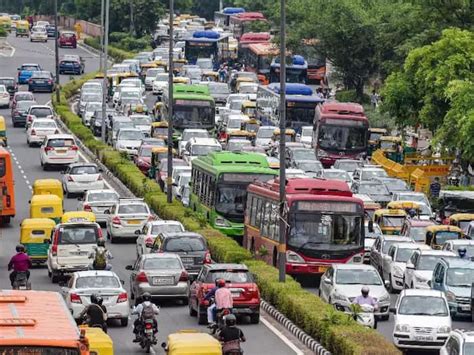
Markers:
<point>196,287</point>
<point>409,271</point>
<point>377,255</point>
<point>437,281</point>
<point>326,283</point>
<point>133,274</point>
<point>387,261</point>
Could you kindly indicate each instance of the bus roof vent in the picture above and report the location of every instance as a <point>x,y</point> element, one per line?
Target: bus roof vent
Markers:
<point>17,322</point>
<point>5,298</point>
<point>233,10</point>
<point>237,158</point>
<point>191,89</point>
<point>206,34</point>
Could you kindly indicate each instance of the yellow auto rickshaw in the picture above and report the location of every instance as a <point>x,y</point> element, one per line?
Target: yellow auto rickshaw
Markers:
<point>461,220</point>
<point>374,137</point>
<point>181,80</point>
<point>159,130</point>
<point>210,76</point>
<point>78,216</point>
<point>6,23</point>
<point>161,64</point>
<point>35,235</point>
<point>48,187</point>
<point>290,135</point>
<point>99,342</point>
<point>243,135</point>
<point>437,235</point>
<point>251,126</point>
<point>241,80</point>
<point>22,29</point>
<point>390,221</point>
<point>391,147</point>
<point>46,206</point>
<point>192,342</point>
<point>157,154</point>
<point>405,205</point>
<point>145,66</point>
<point>249,108</point>
<point>3,131</point>
<point>178,65</point>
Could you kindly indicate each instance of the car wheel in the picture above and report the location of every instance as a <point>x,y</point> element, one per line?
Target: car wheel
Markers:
<point>185,300</point>
<point>390,285</point>
<point>45,167</point>
<point>54,278</point>
<point>202,317</point>
<point>124,321</point>
<point>112,240</point>
<point>255,318</point>
<point>49,274</point>
<point>108,235</point>
<point>385,317</point>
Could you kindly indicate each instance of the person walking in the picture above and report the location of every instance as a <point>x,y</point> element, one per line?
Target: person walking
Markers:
<point>435,188</point>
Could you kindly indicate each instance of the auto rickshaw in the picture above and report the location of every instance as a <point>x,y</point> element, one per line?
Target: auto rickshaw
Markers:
<point>131,109</point>
<point>6,23</point>
<point>192,342</point>
<point>159,130</point>
<point>22,29</point>
<point>210,76</point>
<point>99,342</point>
<point>290,135</point>
<point>390,221</point>
<point>144,67</point>
<point>161,64</point>
<point>78,216</point>
<point>46,206</point>
<point>391,147</point>
<point>243,135</point>
<point>48,187</point>
<point>241,80</point>
<point>251,126</point>
<point>405,205</point>
<point>178,65</point>
<point>437,235</point>
<point>374,138</point>
<point>461,220</point>
<point>35,235</point>
<point>157,154</point>
<point>181,80</point>
<point>249,108</point>
<point>3,131</point>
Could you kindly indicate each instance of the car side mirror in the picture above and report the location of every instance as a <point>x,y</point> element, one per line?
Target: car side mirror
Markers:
<point>129,267</point>
<point>371,226</point>
<point>175,184</point>
<point>106,212</point>
<point>163,345</point>
<point>137,232</point>
<point>393,310</point>
<point>387,283</point>
<point>429,283</point>
<point>80,198</point>
<point>327,281</point>
<point>387,258</point>
<point>122,282</point>
<point>149,245</point>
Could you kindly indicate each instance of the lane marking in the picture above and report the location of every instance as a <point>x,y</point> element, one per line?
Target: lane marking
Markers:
<point>86,50</point>
<point>280,335</point>
<point>17,163</point>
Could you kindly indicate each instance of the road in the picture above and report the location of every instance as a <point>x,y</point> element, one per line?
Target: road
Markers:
<point>173,317</point>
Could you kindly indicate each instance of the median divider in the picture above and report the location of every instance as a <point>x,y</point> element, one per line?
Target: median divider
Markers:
<point>116,53</point>
<point>336,331</point>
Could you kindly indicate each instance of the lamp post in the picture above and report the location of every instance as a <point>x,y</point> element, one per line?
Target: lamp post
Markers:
<point>282,239</point>
<point>56,50</point>
<point>169,192</point>
<point>105,64</point>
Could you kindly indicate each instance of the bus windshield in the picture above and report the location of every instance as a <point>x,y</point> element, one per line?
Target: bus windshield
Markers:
<point>195,50</point>
<point>193,114</point>
<point>344,138</point>
<point>300,115</point>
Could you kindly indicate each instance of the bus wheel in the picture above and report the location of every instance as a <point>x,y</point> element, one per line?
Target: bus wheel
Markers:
<point>275,256</point>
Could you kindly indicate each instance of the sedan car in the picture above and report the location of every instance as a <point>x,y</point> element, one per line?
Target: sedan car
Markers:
<point>97,201</point>
<point>368,173</point>
<point>129,140</point>
<point>377,191</point>
<point>162,275</point>
<point>39,129</point>
<point>126,217</point>
<point>41,81</point>
<point>38,111</point>
<point>312,168</point>
<point>394,185</point>
<point>150,231</point>
<point>341,284</point>
<point>10,84</point>
<point>81,177</point>
<point>89,111</point>
<point>106,284</point>
<point>25,71</point>
<point>22,96</point>
<point>20,112</point>
<point>58,150</point>
<point>38,34</point>
<point>4,96</point>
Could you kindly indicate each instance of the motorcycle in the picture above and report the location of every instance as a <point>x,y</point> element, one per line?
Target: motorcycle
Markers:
<point>366,316</point>
<point>148,338</point>
<point>21,281</point>
<point>220,321</point>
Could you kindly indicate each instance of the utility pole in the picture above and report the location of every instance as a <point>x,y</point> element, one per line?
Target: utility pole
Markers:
<point>132,20</point>
<point>169,195</point>
<point>282,239</point>
<point>106,63</point>
<point>56,50</point>
<point>101,57</point>
<point>221,5</point>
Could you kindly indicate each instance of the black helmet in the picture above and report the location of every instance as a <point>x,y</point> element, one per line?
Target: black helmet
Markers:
<point>365,291</point>
<point>230,320</point>
<point>94,298</point>
<point>99,300</point>
<point>462,251</point>
<point>100,242</point>
<point>20,248</point>
<point>146,296</point>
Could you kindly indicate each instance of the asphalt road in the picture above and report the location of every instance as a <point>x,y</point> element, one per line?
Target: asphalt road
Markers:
<point>262,338</point>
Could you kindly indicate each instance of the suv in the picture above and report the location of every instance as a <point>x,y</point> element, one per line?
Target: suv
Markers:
<point>460,342</point>
<point>419,269</point>
<point>245,293</point>
<point>71,245</point>
<point>454,277</point>
<point>191,247</point>
<point>58,149</point>
<point>126,217</point>
<point>380,249</point>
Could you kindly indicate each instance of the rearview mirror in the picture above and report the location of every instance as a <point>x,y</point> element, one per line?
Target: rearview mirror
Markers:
<point>129,267</point>
<point>410,266</point>
<point>47,241</point>
<point>371,226</point>
<point>393,310</point>
<point>137,232</point>
<point>122,282</point>
<point>429,283</point>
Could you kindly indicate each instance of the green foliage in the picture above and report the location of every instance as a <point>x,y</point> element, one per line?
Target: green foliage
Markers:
<point>117,54</point>
<point>3,32</point>
<point>351,96</point>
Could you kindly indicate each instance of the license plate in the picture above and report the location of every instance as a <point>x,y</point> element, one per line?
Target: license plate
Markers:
<point>187,260</point>
<point>61,151</point>
<point>235,294</point>
<point>22,287</point>
<point>423,338</point>
<point>148,331</point>
<point>79,253</point>
<point>322,268</point>
<point>133,221</point>
<point>163,281</point>
<point>40,81</point>
<point>466,307</point>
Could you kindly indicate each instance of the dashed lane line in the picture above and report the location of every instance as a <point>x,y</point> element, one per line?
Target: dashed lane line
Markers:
<point>20,168</point>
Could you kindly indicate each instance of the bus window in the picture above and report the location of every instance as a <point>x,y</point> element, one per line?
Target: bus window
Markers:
<point>3,168</point>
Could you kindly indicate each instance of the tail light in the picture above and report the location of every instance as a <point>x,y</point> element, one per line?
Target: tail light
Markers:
<point>87,208</point>
<point>148,325</point>
<point>29,117</point>
<point>54,246</point>
<point>116,220</point>
<point>33,132</point>
<point>184,276</point>
<point>30,81</point>
<point>149,240</point>
<point>50,82</point>
<point>48,149</point>
<point>226,312</point>
<point>9,200</point>
<point>75,298</point>
<point>122,297</point>
<point>99,233</point>
<point>141,277</point>
<point>54,249</point>
<point>74,147</point>
<point>16,113</point>
<point>207,258</point>
<point>69,178</point>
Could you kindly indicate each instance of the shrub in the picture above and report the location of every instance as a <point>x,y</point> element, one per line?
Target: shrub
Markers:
<point>3,32</point>
<point>115,37</point>
<point>116,53</point>
<point>351,96</point>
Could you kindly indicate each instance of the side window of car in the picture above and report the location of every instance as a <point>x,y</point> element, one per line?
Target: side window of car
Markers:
<point>330,273</point>
<point>391,251</point>
<point>442,270</point>
<point>414,258</point>
<point>138,262</point>
<point>452,346</point>
<point>145,229</point>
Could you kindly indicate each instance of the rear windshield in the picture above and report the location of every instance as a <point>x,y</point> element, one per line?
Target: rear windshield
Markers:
<point>41,75</point>
<point>102,196</point>
<point>24,105</point>
<point>89,169</point>
<point>180,244</point>
<point>41,112</point>
<point>161,264</point>
<point>166,228</point>
<point>231,276</point>
<point>37,124</point>
<point>68,35</point>
<point>29,67</point>
<point>97,282</point>
<point>79,234</point>
<point>132,209</point>
<point>60,142</point>
<point>24,97</point>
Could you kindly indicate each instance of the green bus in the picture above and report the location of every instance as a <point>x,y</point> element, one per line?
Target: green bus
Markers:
<point>219,187</point>
<point>193,107</point>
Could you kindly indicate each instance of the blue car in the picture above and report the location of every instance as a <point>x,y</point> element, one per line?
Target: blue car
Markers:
<point>51,31</point>
<point>71,66</point>
<point>25,72</point>
<point>41,81</point>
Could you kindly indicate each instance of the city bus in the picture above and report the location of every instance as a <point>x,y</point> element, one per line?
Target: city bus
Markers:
<point>250,38</point>
<point>316,62</point>
<point>300,105</point>
<point>325,224</point>
<point>221,18</point>
<point>7,187</point>
<point>241,23</point>
<point>219,187</point>
<point>296,70</point>
<point>341,131</point>
<point>257,58</point>
<point>207,44</point>
<point>38,322</point>
<point>193,107</point>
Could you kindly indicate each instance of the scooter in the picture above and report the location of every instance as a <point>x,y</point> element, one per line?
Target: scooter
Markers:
<point>366,317</point>
<point>21,281</point>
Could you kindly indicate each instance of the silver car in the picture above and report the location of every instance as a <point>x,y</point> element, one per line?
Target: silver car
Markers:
<point>97,201</point>
<point>162,275</point>
<point>126,217</point>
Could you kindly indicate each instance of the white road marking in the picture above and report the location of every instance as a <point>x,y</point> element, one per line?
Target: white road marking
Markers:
<point>280,335</point>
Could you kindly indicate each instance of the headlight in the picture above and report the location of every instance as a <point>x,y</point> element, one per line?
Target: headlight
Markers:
<point>221,222</point>
<point>444,329</point>
<point>384,298</point>
<point>294,258</point>
<point>339,297</point>
<point>397,271</point>
<point>405,328</point>
<point>450,296</point>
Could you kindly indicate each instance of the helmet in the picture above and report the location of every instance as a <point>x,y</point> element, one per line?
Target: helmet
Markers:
<point>230,320</point>
<point>462,251</point>
<point>99,300</point>
<point>20,248</point>
<point>365,291</point>
<point>100,242</point>
<point>94,298</point>
<point>220,283</point>
<point>412,212</point>
<point>146,296</point>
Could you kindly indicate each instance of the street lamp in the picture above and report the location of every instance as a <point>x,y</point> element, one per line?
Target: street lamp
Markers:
<point>105,64</point>
<point>169,194</point>
<point>282,239</point>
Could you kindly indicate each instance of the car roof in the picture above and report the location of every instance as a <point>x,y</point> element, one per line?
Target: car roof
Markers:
<point>461,242</point>
<point>43,120</point>
<point>421,292</point>
<point>82,164</point>
<point>420,222</point>
<point>131,200</point>
<point>182,234</point>
<point>160,255</point>
<point>437,252</point>
<point>101,191</point>
<point>59,136</point>
<point>41,106</point>
<point>161,222</point>
<point>226,266</point>
<point>395,238</point>
<point>204,141</point>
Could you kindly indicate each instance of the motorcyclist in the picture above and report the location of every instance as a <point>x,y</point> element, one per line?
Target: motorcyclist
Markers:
<point>211,310</point>
<point>96,313</point>
<point>412,213</point>
<point>101,256</point>
<point>231,336</point>
<point>462,251</point>
<point>144,310</point>
<point>223,297</point>
<point>20,262</point>
<point>365,299</point>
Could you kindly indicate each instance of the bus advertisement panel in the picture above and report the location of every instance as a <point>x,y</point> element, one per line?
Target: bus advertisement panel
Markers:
<point>7,187</point>
<point>325,224</point>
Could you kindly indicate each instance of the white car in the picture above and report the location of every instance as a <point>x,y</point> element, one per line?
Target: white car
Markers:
<point>104,283</point>
<point>371,235</point>
<point>306,136</point>
<point>129,140</point>
<point>97,201</point>
<point>197,147</point>
<point>38,34</point>
<point>135,82</point>
<point>460,342</point>
<point>422,320</point>
<point>249,89</point>
<point>454,245</point>
<point>57,150</point>
<point>181,182</point>
<point>337,174</point>
<point>264,136</point>
<point>39,129</point>
<point>380,249</point>
<point>419,269</point>
<point>38,111</point>
<point>368,173</point>
<point>87,97</point>
<point>4,96</point>
<point>150,77</point>
<point>142,122</point>
<point>189,133</point>
<point>150,231</point>
<point>126,92</point>
<point>342,283</point>
<point>411,196</point>
<point>126,217</point>
<point>160,83</point>
<point>89,110</point>
<point>80,177</point>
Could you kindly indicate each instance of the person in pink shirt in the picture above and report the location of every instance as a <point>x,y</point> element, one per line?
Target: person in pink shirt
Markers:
<point>223,296</point>
<point>20,262</point>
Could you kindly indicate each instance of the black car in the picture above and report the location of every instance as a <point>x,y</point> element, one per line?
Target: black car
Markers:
<point>96,121</point>
<point>51,31</point>
<point>10,84</point>
<point>20,112</point>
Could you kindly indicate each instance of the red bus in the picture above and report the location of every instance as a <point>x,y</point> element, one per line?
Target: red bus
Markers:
<point>257,58</point>
<point>252,37</point>
<point>341,131</point>
<point>325,224</point>
<point>7,189</point>
<point>239,23</point>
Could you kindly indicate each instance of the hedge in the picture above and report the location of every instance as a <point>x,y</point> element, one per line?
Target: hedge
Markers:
<point>116,53</point>
<point>337,332</point>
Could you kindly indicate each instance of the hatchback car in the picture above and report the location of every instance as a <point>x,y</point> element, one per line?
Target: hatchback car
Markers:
<point>189,133</point>
<point>126,217</point>
<point>162,275</point>
<point>71,66</point>
<point>41,81</point>
<point>377,191</point>
<point>197,147</point>
<point>90,109</point>
<point>380,249</point>
<point>106,284</point>
<point>87,96</point>
<point>129,140</point>
<point>415,229</point>
<point>22,96</point>
<point>97,201</point>
<point>20,112</point>
<point>150,231</point>
<point>38,34</point>
<point>39,129</point>
<point>39,111</point>
<point>337,174</point>
<point>67,39</point>
<point>51,31</point>
<point>80,177</point>
<point>367,173</point>
<point>58,150</point>
<point>10,84</point>
<point>456,244</point>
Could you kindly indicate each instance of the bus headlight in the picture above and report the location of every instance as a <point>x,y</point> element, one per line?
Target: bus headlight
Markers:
<point>294,258</point>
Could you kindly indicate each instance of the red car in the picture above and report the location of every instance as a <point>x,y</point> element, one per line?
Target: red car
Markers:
<point>143,158</point>
<point>241,283</point>
<point>67,39</point>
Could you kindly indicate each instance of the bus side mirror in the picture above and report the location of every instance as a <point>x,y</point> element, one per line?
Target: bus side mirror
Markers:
<point>371,226</point>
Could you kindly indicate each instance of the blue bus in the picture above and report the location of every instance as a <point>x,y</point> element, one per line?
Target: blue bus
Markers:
<point>296,70</point>
<point>207,44</point>
<point>300,105</point>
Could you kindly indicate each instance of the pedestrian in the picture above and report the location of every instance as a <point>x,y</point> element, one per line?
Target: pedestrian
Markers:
<point>319,93</point>
<point>374,99</point>
<point>435,188</point>
<point>465,179</point>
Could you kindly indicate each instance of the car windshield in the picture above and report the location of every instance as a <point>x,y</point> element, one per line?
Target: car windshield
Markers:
<point>41,112</point>
<point>133,208</point>
<point>130,135</point>
<point>230,276</point>
<point>310,166</point>
<point>337,175</point>
<point>404,254</point>
<point>123,124</point>
<point>373,189</point>
<point>303,154</point>
<point>145,152</point>
<point>417,234</point>
<point>219,88</point>
<point>423,306</point>
<point>161,264</point>
<point>372,174</point>
<point>187,135</point>
<point>184,244</point>
<point>357,277</point>
<point>166,228</point>
<point>91,97</point>
<point>307,132</point>
<point>29,67</point>
<point>77,234</point>
<point>7,82</point>
<point>153,72</point>
<point>469,249</point>
<point>87,169</point>
<point>24,105</point>
<point>458,277</point>
<point>444,236</point>
<point>130,94</point>
<point>102,196</point>
<point>43,124</point>
<point>161,77</point>
<point>396,185</point>
<point>393,221</point>
<point>164,164</point>
<point>349,138</point>
<point>92,107</point>
<point>236,105</point>
<point>97,282</point>
<point>235,145</point>
<point>412,197</point>
<point>199,150</point>
<point>387,244</point>
<point>193,113</point>
<point>24,97</point>
<point>41,75</point>
<point>248,89</point>
<point>141,120</point>
<point>265,133</point>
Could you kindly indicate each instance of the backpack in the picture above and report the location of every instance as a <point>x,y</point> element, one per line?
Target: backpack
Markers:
<point>148,312</point>
<point>100,260</point>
